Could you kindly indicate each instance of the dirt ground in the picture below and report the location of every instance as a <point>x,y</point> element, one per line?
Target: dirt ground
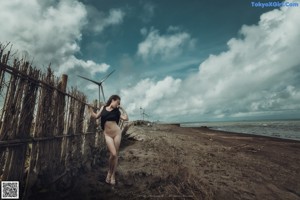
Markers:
<point>170,162</point>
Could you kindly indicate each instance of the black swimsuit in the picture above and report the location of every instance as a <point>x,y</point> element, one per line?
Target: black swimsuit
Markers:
<point>113,115</point>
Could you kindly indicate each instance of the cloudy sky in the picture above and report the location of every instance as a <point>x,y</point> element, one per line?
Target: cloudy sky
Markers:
<point>179,60</point>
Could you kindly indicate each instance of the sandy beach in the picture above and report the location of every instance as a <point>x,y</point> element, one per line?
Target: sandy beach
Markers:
<point>171,162</point>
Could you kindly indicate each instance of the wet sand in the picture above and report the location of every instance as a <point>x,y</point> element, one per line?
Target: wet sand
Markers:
<point>170,162</point>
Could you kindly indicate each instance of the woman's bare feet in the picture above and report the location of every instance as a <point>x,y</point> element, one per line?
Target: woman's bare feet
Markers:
<point>113,180</point>
<point>108,178</point>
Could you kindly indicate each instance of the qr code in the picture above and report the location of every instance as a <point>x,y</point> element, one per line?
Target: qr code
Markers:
<point>9,189</point>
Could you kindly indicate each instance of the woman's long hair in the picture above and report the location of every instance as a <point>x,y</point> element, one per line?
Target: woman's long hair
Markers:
<point>113,97</point>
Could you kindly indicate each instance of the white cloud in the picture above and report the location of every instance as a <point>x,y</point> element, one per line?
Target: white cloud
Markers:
<point>144,31</point>
<point>173,29</point>
<point>98,20</point>
<point>50,32</point>
<point>148,12</point>
<point>166,46</point>
<point>147,93</point>
<point>259,74</point>
<point>81,65</point>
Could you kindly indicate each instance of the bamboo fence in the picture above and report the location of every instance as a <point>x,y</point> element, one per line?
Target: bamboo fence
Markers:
<point>46,134</point>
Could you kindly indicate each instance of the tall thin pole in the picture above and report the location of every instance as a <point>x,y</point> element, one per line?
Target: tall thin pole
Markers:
<point>99,97</point>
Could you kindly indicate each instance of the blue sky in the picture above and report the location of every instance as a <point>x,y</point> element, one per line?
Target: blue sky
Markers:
<point>179,60</point>
<point>199,19</point>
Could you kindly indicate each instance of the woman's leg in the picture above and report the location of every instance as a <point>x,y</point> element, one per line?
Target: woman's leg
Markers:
<point>117,141</point>
<point>113,155</point>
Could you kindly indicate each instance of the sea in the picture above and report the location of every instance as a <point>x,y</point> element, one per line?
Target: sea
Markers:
<point>287,129</point>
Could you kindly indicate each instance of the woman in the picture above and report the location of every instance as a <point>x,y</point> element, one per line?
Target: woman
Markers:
<point>110,115</point>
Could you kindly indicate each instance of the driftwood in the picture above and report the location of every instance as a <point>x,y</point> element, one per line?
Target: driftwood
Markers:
<point>46,133</point>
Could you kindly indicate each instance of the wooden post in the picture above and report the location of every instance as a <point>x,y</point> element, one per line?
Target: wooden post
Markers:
<point>61,104</point>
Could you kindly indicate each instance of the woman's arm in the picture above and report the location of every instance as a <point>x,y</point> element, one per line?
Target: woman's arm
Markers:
<point>124,115</point>
<point>93,114</point>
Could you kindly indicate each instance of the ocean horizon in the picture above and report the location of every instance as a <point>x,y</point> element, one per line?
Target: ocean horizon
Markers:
<point>285,128</point>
